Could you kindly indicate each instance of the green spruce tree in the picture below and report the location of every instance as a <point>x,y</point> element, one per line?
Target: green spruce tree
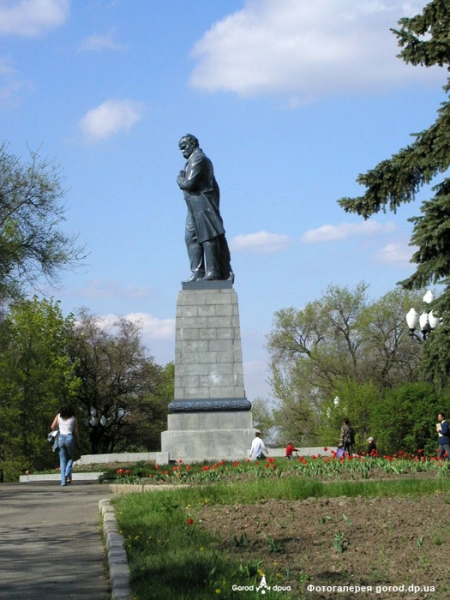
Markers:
<point>425,41</point>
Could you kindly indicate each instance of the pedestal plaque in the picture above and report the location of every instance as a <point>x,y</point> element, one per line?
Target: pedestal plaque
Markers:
<point>210,417</point>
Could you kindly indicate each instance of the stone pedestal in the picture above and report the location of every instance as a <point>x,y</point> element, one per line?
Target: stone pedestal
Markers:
<point>209,418</point>
<point>194,437</point>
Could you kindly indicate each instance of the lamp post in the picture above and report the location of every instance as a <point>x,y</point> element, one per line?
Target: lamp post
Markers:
<point>93,420</point>
<point>336,404</point>
<point>96,427</point>
<point>426,321</point>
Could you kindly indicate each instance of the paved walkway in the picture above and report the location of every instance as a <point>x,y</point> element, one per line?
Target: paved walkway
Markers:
<point>50,544</point>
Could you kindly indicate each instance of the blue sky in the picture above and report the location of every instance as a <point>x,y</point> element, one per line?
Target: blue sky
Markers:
<point>291,99</point>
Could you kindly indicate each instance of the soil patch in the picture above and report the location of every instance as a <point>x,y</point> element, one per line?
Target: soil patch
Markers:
<point>372,542</point>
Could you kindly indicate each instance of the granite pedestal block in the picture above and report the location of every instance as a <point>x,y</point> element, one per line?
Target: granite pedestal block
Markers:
<point>210,417</point>
<point>208,436</point>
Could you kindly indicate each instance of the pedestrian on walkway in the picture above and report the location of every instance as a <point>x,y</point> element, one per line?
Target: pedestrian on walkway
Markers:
<point>258,450</point>
<point>66,422</point>
<point>443,432</point>
<point>347,437</point>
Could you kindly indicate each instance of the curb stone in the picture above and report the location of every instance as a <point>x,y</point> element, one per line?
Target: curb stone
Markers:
<point>92,476</point>
<point>119,571</point>
<point>126,488</point>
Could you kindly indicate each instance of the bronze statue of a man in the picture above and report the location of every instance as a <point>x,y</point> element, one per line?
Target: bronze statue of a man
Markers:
<point>206,244</point>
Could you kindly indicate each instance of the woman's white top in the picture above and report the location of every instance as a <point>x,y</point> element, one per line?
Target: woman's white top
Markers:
<point>66,425</point>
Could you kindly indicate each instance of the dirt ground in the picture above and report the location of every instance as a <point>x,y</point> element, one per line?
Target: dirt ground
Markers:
<point>339,542</point>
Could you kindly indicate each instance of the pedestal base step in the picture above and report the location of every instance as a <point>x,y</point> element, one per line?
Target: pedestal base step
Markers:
<point>207,445</point>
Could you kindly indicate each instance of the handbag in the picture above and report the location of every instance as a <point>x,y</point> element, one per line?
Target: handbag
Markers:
<point>340,453</point>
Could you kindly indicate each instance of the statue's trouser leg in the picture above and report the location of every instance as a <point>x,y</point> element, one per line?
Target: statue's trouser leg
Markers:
<point>212,249</point>
<point>195,252</point>
<point>225,258</point>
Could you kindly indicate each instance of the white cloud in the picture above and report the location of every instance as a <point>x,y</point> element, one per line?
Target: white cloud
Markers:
<point>306,49</point>
<point>10,93</point>
<point>99,289</point>
<point>330,233</point>
<point>158,335</point>
<point>262,241</point>
<point>98,43</point>
<point>32,18</point>
<point>111,117</point>
<point>10,86</point>
<point>152,327</point>
<point>395,254</point>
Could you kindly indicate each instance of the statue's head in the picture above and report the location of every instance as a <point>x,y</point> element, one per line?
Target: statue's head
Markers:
<point>188,144</point>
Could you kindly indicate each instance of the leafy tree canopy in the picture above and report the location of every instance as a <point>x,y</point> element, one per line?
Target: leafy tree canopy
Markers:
<point>32,242</point>
<point>340,345</point>
<point>36,377</point>
<point>124,394</point>
<point>406,418</point>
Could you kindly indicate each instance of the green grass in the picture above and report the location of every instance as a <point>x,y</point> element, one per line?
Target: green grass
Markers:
<point>170,558</point>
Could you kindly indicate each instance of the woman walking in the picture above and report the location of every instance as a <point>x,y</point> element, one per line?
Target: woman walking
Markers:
<point>66,422</point>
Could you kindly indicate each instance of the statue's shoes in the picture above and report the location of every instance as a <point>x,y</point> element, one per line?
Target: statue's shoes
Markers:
<point>194,277</point>
<point>211,276</point>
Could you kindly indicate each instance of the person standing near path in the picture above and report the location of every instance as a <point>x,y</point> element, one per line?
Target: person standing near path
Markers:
<point>258,448</point>
<point>444,437</point>
<point>347,438</point>
<point>66,422</point>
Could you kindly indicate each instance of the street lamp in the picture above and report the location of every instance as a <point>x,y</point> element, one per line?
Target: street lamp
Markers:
<point>426,321</point>
<point>336,404</point>
<point>93,421</point>
<point>96,424</point>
